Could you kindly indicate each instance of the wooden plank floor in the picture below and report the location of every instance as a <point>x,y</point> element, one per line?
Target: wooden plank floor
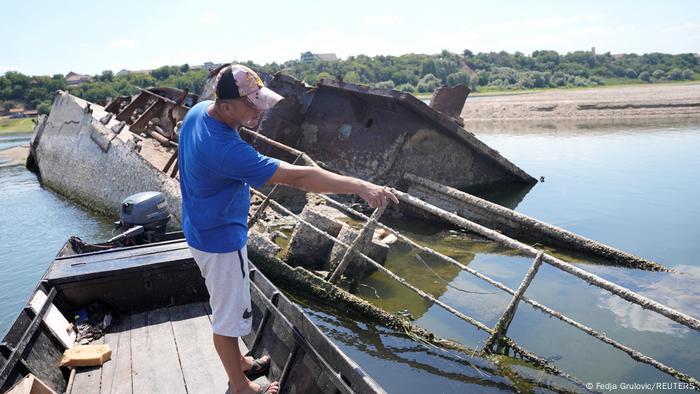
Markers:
<point>167,350</point>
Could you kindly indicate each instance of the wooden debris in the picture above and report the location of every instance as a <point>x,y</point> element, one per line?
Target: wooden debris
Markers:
<point>86,356</point>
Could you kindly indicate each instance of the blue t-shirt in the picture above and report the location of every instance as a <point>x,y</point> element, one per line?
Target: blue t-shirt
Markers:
<point>216,166</point>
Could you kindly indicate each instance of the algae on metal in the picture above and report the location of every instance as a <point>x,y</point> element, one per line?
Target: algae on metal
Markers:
<point>304,283</point>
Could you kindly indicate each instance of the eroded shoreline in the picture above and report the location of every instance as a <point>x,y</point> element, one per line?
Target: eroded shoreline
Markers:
<point>550,108</point>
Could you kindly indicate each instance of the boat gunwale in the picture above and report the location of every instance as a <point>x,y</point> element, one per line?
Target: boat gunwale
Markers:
<point>344,371</point>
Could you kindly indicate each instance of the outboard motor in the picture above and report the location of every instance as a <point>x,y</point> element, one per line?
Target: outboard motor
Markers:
<point>142,218</point>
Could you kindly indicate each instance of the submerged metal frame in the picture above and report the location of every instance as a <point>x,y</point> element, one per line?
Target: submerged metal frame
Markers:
<point>498,341</point>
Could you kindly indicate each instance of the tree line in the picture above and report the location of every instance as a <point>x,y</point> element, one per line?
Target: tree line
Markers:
<point>414,73</point>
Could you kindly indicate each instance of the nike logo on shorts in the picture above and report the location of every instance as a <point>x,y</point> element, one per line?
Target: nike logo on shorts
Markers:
<point>247,314</point>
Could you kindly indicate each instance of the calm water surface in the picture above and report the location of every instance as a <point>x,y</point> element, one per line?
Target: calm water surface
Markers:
<point>34,225</point>
<point>634,188</point>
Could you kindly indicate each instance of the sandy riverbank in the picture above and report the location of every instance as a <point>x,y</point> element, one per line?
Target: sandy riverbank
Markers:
<point>14,156</point>
<point>584,105</point>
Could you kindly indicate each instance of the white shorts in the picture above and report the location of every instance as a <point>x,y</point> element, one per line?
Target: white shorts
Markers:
<point>227,278</point>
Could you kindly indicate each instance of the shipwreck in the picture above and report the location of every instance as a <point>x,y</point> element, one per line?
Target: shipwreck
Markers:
<point>325,244</point>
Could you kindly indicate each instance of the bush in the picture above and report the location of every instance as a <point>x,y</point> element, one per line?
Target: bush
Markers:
<point>406,87</point>
<point>559,79</point>
<point>630,73</point>
<point>385,85</point>
<point>687,74</point>
<point>658,74</point>
<point>675,74</point>
<point>581,81</point>
<point>644,76</point>
<point>428,83</point>
<point>460,77</point>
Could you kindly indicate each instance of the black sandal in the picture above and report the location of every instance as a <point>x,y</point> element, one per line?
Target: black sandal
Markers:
<point>258,367</point>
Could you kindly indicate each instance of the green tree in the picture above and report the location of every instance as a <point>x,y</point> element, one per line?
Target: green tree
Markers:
<point>644,76</point>
<point>43,108</point>
<point>352,77</point>
<point>106,76</point>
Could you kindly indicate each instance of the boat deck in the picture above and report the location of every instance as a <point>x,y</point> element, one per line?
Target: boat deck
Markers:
<point>167,350</point>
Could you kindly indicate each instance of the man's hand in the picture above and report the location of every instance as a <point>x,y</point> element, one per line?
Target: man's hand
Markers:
<point>377,196</point>
<point>314,179</point>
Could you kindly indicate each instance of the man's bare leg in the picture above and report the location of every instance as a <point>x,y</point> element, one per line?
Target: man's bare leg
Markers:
<point>230,355</point>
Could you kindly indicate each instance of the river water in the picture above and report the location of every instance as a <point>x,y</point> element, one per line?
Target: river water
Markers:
<point>633,186</point>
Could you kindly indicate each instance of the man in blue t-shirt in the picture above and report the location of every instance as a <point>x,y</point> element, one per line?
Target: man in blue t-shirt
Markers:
<point>216,169</point>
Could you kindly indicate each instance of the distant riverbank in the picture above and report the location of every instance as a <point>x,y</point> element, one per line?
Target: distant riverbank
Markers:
<point>16,125</point>
<point>615,102</point>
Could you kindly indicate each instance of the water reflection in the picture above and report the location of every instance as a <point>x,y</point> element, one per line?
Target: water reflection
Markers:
<point>382,349</point>
<point>631,184</point>
<point>678,290</point>
<point>34,224</point>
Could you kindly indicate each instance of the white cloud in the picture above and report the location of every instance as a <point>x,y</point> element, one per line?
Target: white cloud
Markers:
<point>677,290</point>
<point>687,26</point>
<point>84,45</point>
<point>388,20</point>
<point>207,18</point>
<point>122,43</point>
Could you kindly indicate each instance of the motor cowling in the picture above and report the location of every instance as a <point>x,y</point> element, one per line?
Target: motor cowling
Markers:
<point>148,210</point>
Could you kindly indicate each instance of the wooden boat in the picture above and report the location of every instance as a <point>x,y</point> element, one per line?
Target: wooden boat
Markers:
<point>161,332</point>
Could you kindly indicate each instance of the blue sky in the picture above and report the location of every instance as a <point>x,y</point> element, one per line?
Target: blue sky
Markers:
<point>47,37</point>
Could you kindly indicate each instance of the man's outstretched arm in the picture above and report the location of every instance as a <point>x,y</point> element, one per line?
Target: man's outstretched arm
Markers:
<point>317,180</point>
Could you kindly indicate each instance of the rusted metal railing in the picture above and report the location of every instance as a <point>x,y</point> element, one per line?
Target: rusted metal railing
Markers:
<point>498,340</point>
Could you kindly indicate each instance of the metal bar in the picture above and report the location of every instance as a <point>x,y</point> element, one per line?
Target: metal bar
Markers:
<point>296,349</point>
<point>576,242</point>
<point>26,337</point>
<point>136,103</point>
<point>280,145</point>
<point>334,376</point>
<point>171,161</point>
<point>357,243</point>
<point>380,267</point>
<point>176,168</point>
<point>614,288</point>
<point>140,124</point>
<point>501,327</point>
<point>590,278</point>
<point>158,96</point>
<point>261,327</point>
<point>265,202</point>
<point>634,354</point>
<point>160,138</point>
